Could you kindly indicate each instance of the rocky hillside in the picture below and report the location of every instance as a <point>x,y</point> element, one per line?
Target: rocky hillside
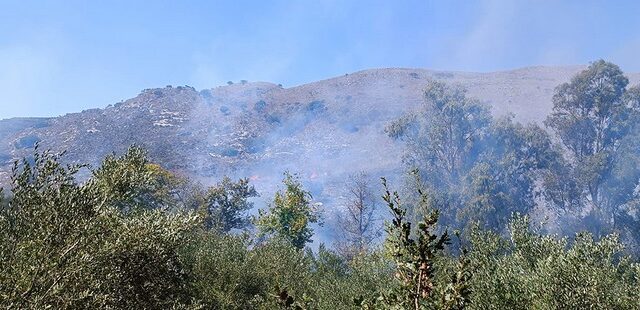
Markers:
<point>324,130</point>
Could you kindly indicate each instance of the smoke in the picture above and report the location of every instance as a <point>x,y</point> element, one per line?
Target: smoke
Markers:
<point>324,135</point>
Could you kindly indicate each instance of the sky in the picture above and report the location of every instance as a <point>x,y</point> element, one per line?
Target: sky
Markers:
<point>58,57</point>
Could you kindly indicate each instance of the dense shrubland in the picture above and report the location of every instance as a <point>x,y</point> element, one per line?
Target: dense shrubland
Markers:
<point>460,232</point>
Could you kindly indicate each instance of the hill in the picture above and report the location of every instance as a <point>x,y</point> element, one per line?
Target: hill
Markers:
<point>324,130</point>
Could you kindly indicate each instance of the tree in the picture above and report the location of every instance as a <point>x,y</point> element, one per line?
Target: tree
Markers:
<point>290,215</point>
<point>127,181</point>
<point>358,223</point>
<point>442,140</point>
<point>595,118</point>
<point>632,99</point>
<point>138,184</point>
<point>587,111</point>
<point>443,135</point>
<point>171,191</point>
<point>45,230</point>
<point>414,253</point>
<point>226,205</point>
<point>413,257</point>
<point>588,117</point>
<point>503,180</point>
<point>475,167</point>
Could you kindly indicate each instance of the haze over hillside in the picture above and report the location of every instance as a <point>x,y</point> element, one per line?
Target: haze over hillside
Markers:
<point>324,130</point>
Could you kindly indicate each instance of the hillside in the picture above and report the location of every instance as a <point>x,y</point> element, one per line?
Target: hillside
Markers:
<point>324,130</point>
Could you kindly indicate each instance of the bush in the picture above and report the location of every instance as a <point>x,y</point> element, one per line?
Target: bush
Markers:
<point>533,271</point>
<point>69,245</point>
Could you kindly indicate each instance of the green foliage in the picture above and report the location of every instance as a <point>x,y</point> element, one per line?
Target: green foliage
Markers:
<point>476,167</point>
<point>415,263</point>
<point>140,266</point>
<point>96,244</point>
<point>413,258</point>
<point>285,301</point>
<point>46,229</point>
<point>68,245</point>
<point>172,191</point>
<point>337,281</point>
<point>224,274</point>
<point>457,294</point>
<point>442,135</point>
<point>73,245</point>
<point>588,110</point>
<point>290,215</point>
<point>226,205</point>
<point>596,118</point>
<point>503,179</point>
<point>126,181</point>
<point>533,271</point>
<point>233,272</point>
<point>132,183</point>
<point>481,170</point>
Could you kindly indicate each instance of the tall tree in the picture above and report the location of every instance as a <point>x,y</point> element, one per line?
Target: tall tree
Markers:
<point>476,168</point>
<point>290,215</point>
<point>587,110</point>
<point>503,180</point>
<point>595,116</point>
<point>442,137</point>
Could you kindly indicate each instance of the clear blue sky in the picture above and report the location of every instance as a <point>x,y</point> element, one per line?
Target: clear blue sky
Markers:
<point>65,56</point>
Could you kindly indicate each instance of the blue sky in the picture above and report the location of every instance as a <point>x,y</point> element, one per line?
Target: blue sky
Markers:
<point>65,56</point>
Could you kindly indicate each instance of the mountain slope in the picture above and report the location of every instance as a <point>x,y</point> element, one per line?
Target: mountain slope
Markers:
<point>324,130</point>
